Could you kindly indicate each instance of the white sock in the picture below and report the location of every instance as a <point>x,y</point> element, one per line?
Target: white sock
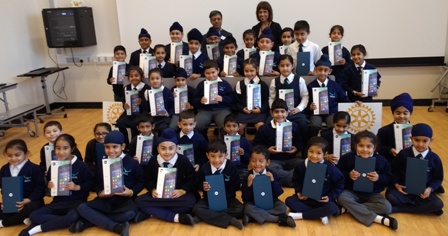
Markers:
<point>296,215</point>
<point>1,224</point>
<point>176,218</point>
<point>378,219</point>
<point>27,221</point>
<point>324,220</point>
<point>35,230</point>
<point>343,210</point>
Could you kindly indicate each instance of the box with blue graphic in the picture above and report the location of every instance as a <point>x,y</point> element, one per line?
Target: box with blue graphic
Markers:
<point>284,136</point>
<point>61,175</point>
<point>187,151</point>
<point>233,145</point>
<point>143,150</point>
<point>113,175</point>
<point>166,182</point>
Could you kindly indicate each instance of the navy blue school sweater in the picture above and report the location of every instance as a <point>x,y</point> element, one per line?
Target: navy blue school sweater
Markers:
<point>435,168</point>
<point>335,94</point>
<point>199,146</point>
<point>91,157</point>
<point>353,79</point>
<point>241,99</point>
<point>33,180</point>
<point>43,162</point>
<point>240,54</point>
<point>239,65</point>
<point>135,56</point>
<point>190,91</point>
<point>133,146</point>
<point>266,136</point>
<point>386,141</point>
<point>81,176</point>
<point>328,136</point>
<point>276,58</point>
<point>247,147</point>
<point>168,101</point>
<point>117,88</point>
<point>144,106</point>
<point>168,70</point>
<point>198,64</point>
<point>338,70</point>
<point>347,163</point>
<point>295,85</point>
<point>132,177</point>
<point>185,50</point>
<point>247,193</point>
<point>224,90</point>
<point>186,177</point>
<point>230,175</point>
<point>333,183</point>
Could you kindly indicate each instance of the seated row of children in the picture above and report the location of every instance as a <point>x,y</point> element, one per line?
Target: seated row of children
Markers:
<point>340,192</point>
<point>347,71</point>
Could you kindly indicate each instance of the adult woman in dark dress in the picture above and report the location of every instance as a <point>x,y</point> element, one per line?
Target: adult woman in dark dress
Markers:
<point>265,16</point>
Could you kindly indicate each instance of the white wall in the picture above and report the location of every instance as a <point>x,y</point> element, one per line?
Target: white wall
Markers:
<point>25,47</point>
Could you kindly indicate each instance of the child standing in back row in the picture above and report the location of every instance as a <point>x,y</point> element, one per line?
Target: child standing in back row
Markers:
<point>336,35</point>
<point>119,55</point>
<point>144,39</point>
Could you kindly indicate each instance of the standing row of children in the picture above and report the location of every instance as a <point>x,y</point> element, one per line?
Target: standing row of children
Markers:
<point>114,212</point>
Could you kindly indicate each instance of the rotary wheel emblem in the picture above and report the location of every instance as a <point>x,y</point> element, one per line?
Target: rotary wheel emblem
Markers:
<point>113,112</point>
<point>362,118</point>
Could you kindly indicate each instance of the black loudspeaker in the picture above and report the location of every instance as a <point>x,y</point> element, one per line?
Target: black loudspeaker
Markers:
<point>69,27</point>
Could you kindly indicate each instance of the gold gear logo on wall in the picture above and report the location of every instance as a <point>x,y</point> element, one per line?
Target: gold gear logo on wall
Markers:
<point>362,118</point>
<point>113,112</point>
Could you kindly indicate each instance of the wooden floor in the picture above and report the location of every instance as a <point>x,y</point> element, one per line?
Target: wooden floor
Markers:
<point>80,124</point>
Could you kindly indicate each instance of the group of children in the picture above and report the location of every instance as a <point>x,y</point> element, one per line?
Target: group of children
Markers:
<point>114,211</point>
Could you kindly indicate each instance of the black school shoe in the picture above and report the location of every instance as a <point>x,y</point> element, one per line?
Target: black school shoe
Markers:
<point>79,226</point>
<point>438,213</point>
<point>440,190</point>
<point>24,232</point>
<point>186,219</point>
<point>141,216</point>
<point>122,228</point>
<point>284,220</point>
<point>393,223</point>
<point>235,222</point>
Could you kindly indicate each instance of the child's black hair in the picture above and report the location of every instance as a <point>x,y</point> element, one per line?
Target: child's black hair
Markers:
<point>217,146</point>
<point>317,141</point>
<point>251,61</point>
<point>144,118</point>
<point>120,48</point>
<point>341,115</point>
<point>286,57</point>
<point>263,150</point>
<point>210,64</point>
<point>359,47</point>
<point>339,27</point>
<point>16,143</point>
<point>102,124</point>
<point>230,40</point>
<point>138,69</point>
<point>231,118</point>
<point>53,123</point>
<point>155,70</point>
<point>159,46</point>
<point>68,138</point>
<point>279,104</point>
<point>186,115</point>
<point>249,31</point>
<point>288,29</point>
<point>366,134</point>
<point>302,25</point>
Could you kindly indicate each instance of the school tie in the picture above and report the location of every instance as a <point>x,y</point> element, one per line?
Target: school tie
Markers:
<point>322,85</point>
<point>420,156</point>
<point>251,81</point>
<point>217,172</point>
<point>286,80</point>
<point>301,48</point>
<point>144,51</point>
<point>360,70</point>
<point>160,66</point>
<point>135,88</point>
<point>165,164</point>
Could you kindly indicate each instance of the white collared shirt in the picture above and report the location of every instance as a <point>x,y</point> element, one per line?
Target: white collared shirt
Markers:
<point>139,86</point>
<point>362,65</point>
<point>16,169</point>
<point>336,133</point>
<point>308,46</point>
<point>162,64</point>
<point>189,135</point>
<point>302,88</point>
<point>74,158</point>
<point>325,83</point>
<point>161,87</point>
<point>147,50</point>
<point>222,167</point>
<point>217,79</point>
<point>246,82</point>
<point>424,153</point>
<point>274,125</point>
<point>306,162</point>
<point>172,161</point>
<point>262,173</point>
<point>196,55</point>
